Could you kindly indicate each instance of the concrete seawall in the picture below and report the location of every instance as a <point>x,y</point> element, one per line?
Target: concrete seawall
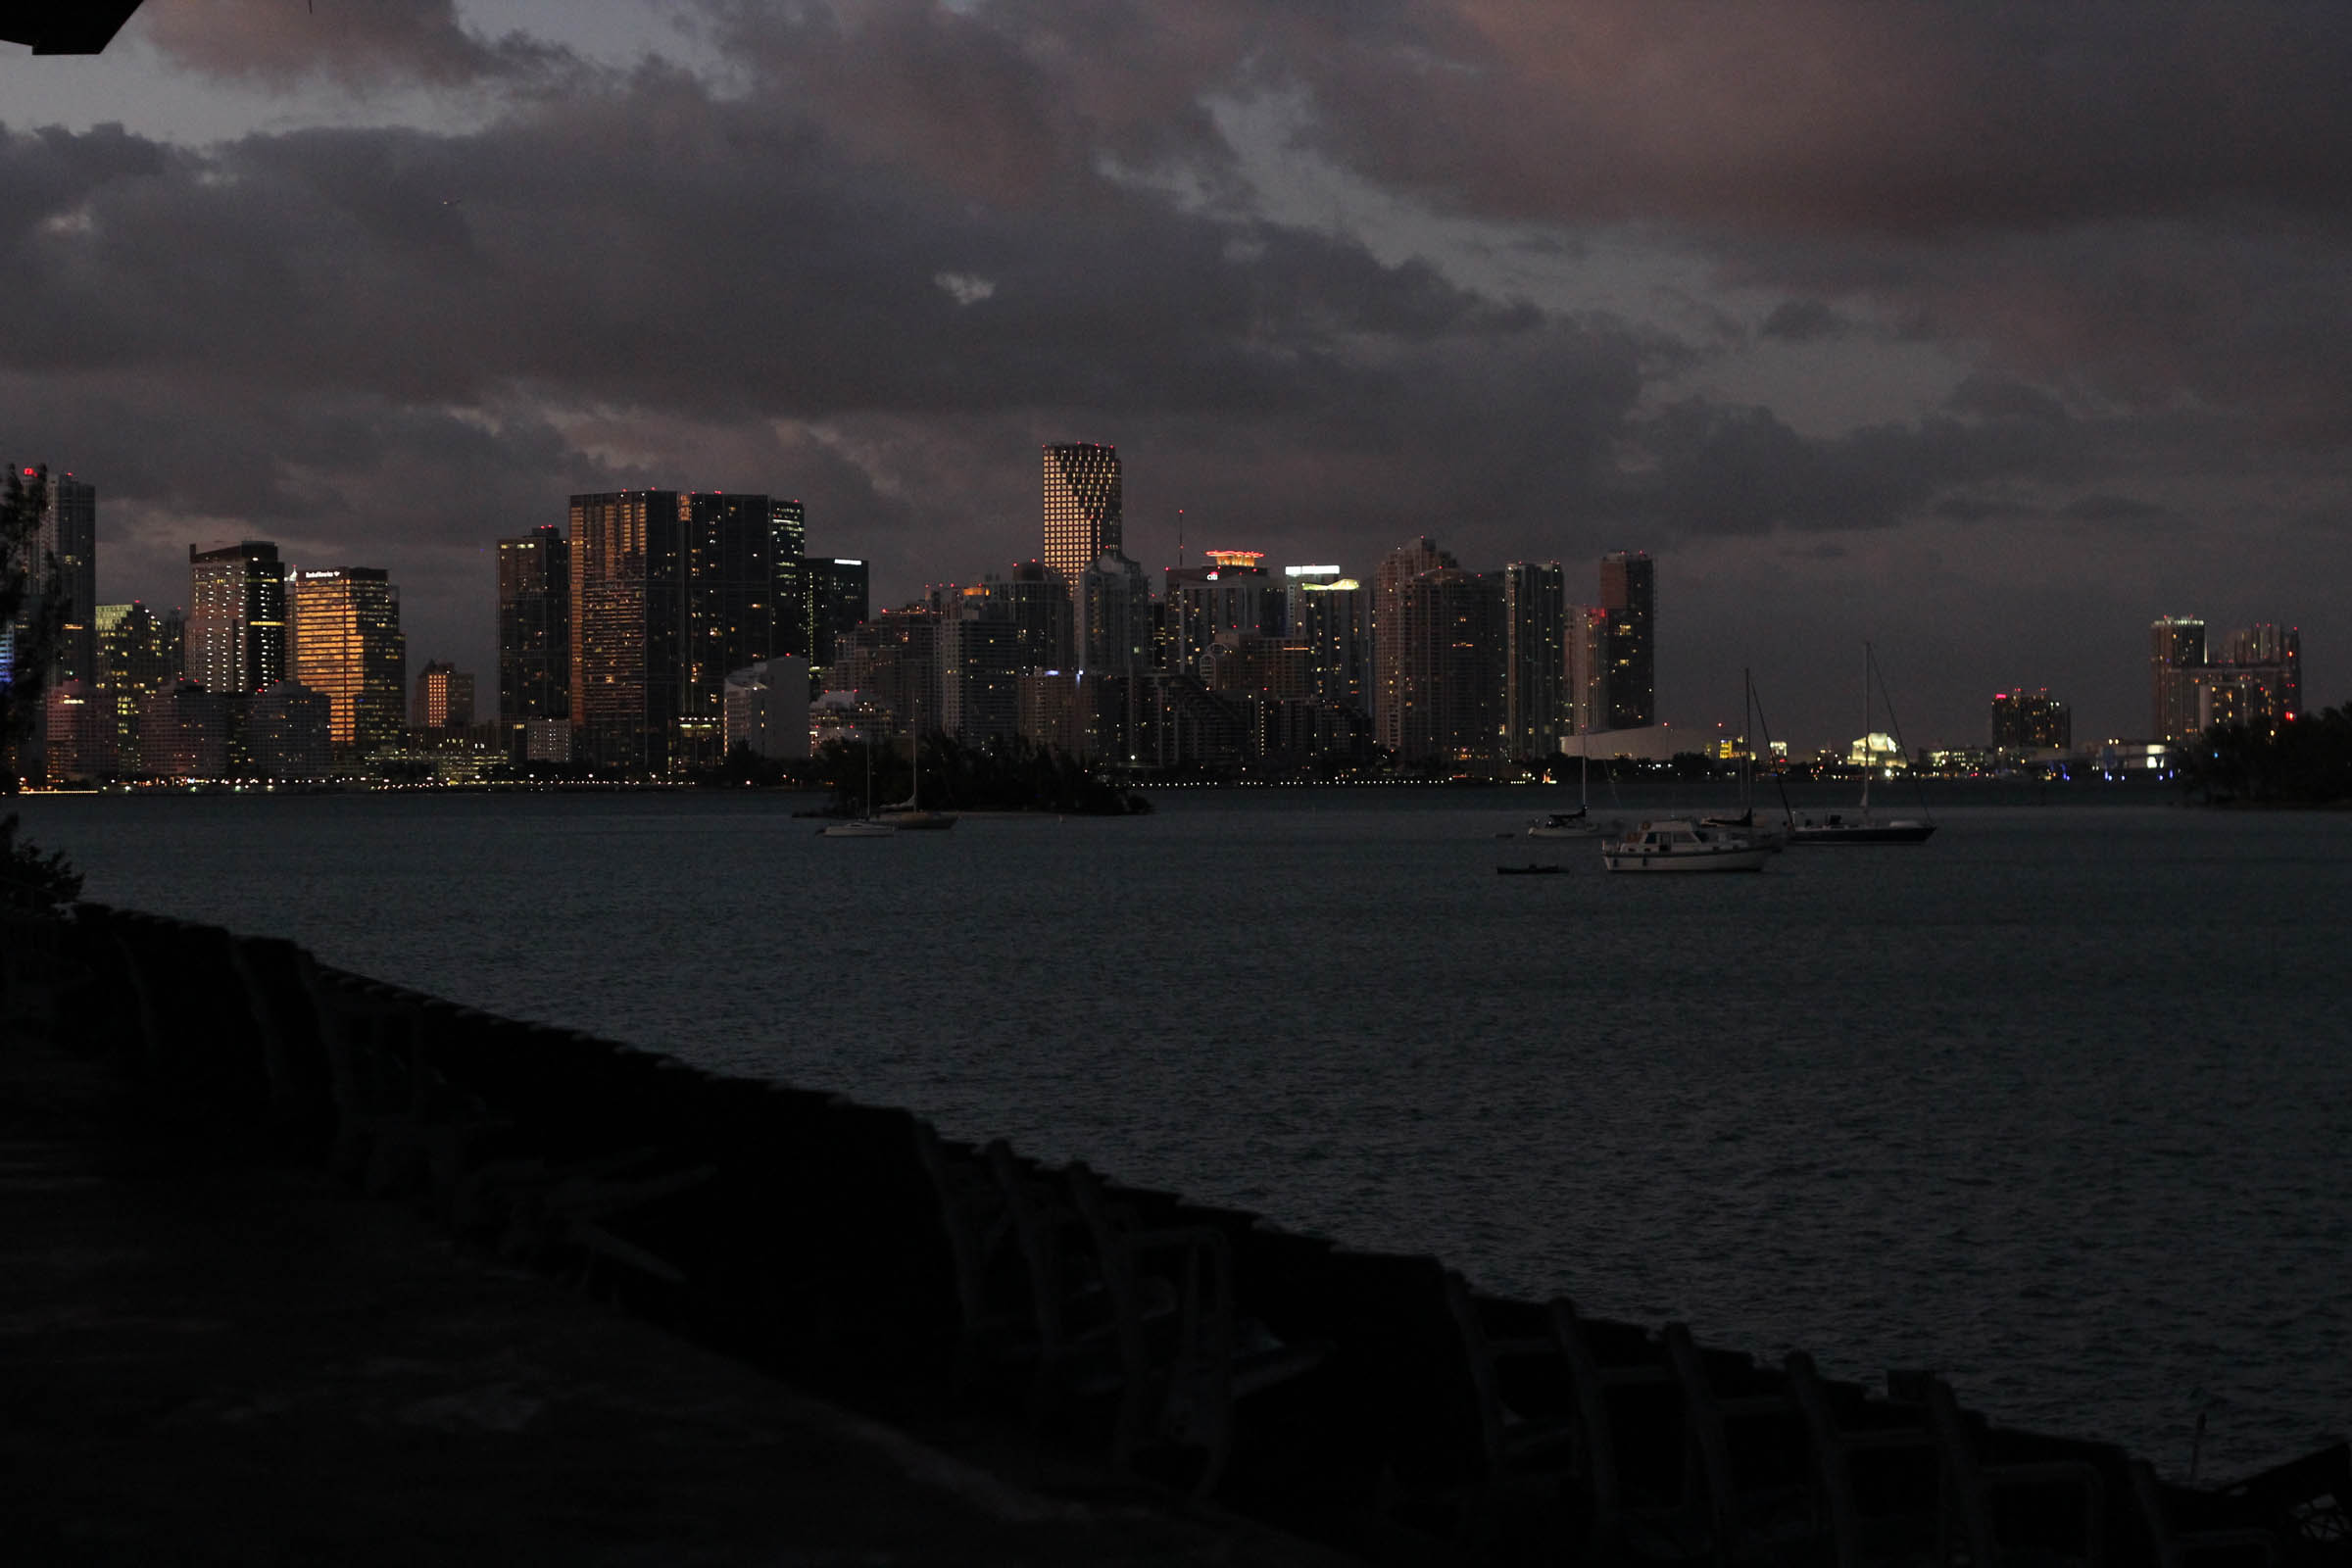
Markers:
<point>1087,1340</point>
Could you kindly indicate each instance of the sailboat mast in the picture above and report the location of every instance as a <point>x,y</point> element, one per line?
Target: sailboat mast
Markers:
<point>1868,751</point>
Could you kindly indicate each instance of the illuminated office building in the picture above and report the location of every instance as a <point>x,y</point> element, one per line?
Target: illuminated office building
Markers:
<point>1535,696</point>
<point>348,646</point>
<point>626,626</point>
<point>444,697</point>
<point>137,652</point>
<point>1397,569</point>
<point>1629,593</point>
<point>1082,506</point>
<point>534,627</point>
<point>236,627</point>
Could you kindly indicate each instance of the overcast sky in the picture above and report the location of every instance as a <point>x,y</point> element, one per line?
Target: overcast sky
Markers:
<point>1986,331</point>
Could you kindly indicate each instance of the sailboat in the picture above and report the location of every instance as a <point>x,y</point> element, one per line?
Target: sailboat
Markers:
<point>1579,823</point>
<point>1751,718</point>
<point>908,815</point>
<point>1837,829</point>
<point>861,828</point>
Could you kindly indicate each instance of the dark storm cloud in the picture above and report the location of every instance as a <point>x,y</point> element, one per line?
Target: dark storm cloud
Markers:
<point>356,42</point>
<point>1804,322</point>
<point>901,243</point>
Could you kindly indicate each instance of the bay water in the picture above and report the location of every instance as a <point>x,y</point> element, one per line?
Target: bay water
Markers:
<point>2059,1104</point>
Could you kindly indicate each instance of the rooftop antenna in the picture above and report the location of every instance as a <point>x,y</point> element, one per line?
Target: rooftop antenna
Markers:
<point>1179,538</point>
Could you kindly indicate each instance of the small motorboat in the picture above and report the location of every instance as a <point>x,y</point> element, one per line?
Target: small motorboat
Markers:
<point>1678,844</point>
<point>1565,825</point>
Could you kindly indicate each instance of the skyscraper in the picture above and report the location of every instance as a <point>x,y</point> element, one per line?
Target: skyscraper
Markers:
<point>349,648</point>
<point>444,697</point>
<point>236,632</point>
<point>137,652</point>
<point>1451,639</point>
<point>69,536</point>
<point>838,589</point>
<point>626,626</point>
<point>1039,602</point>
<point>730,574</point>
<point>534,627</point>
<point>1330,614</point>
<point>1229,596</point>
<point>1629,593</point>
<point>1397,569</point>
<point>2176,651</point>
<point>1588,668</point>
<point>1535,697</point>
<point>788,556</point>
<point>1082,506</point>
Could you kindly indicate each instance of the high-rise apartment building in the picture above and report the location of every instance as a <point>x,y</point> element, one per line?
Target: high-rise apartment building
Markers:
<point>2176,651</point>
<point>2030,721</point>
<point>1330,614</point>
<point>1629,593</point>
<point>1535,693</point>
<point>1397,569</point>
<point>1039,599</point>
<point>534,627</point>
<point>1588,668</point>
<point>2257,682</point>
<point>1451,639</point>
<point>981,655</point>
<point>348,647</point>
<point>70,538</point>
<point>237,629</point>
<point>1082,506</point>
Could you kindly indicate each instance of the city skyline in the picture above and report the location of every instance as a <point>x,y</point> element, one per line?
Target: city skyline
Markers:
<point>1980,329</point>
<point>1604,665</point>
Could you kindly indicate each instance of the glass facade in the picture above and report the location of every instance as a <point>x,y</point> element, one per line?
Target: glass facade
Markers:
<point>236,629</point>
<point>348,647</point>
<point>1535,699</point>
<point>1082,506</point>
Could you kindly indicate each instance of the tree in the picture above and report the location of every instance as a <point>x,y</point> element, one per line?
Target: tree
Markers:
<point>31,611</point>
<point>31,615</point>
